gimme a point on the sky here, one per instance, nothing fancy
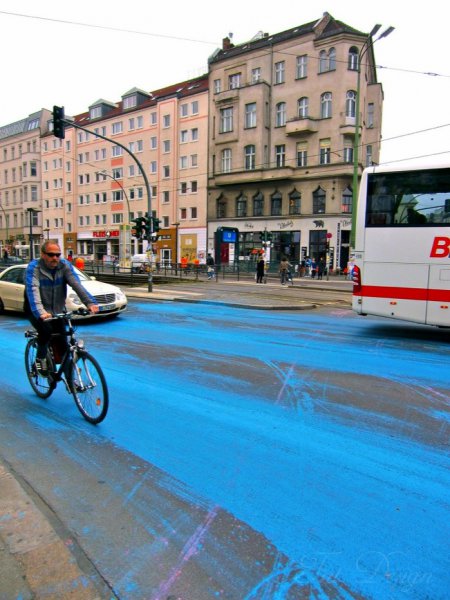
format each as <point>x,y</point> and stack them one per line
<point>54,59</point>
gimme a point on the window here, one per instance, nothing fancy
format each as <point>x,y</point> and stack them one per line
<point>279,71</point>
<point>194,134</point>
<point>256,75</point>
<point>302,154</point>
<point>194,160</point>
<point>166,196</point>
<point>258,205</point>
<point>217,86</point>
<point>249,157</point>
<point>194,107</point>
<point>226,120</point>
<point>280,118</point>
<point>194,187</point>
<point>183,136</point>
<point>234,81</point>
<point>153,118</point>
<point>221,208</point>
<point>332,59</point>
<point>140,146</point>
<point>369,162</point>
<point>183,187</point>
<point>348,154</point>
<point>319,200</point>
<point>140,122</point>
<point>117,173</point>
<point>183,214</point>
<point>327,60</point>
<point>166,121</point>
<point>275,204</point>
<point>350,104</point>
<point>325,152</point>
<point>303,108</point>
<point>370,114</point>
<point>193,212</point>
<point>117,218</point>
<point>183,162</point>
<point>117,151</point>
<point>353,59</point>
<point>131,170</point>
<point>129,102</point>
<point>295,203</point>
<point>184,110</point>
<point>166,171</point>
<point>325,105</point>
<point>117,128</point>
<point>166,146</point>
<point>241,206</point>
<point>153,142</point>
<point>347,199</point>
<point>250,115</point>
<point>226,160</point>
<point>153,166</point>
<point>280,155</point>
<point>302,66</point>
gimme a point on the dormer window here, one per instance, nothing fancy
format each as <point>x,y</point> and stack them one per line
<point>129,102</point>
<point>95,112</point>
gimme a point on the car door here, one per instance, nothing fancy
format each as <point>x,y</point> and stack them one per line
<point>12,288</point>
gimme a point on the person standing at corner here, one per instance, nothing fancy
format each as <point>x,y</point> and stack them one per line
<point>46,284</point>
<point>260,270</point>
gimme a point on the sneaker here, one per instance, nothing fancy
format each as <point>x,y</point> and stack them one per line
<point>42,366</point>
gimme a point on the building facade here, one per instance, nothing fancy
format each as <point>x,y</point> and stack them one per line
<point>282,113</point>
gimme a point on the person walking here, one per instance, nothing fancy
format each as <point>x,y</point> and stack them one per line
<point>320,268</point>
<point>210,266</point>
<point>260,271</point>
<point>46,282</point>
<point>285,265</point>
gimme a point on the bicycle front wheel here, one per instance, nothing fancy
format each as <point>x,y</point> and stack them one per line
<point>42,386</point>
<point>88,386</point>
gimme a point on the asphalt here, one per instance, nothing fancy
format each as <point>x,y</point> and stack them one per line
<point>39,558</point>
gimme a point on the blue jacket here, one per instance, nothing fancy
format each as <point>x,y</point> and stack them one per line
<point>46,290</point>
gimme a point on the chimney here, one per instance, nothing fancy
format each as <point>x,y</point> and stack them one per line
<point>226,43</point>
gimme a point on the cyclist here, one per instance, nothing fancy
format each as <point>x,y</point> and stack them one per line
<point>46,284</point>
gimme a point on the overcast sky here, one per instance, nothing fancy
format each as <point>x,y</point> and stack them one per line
<point>44,62</point>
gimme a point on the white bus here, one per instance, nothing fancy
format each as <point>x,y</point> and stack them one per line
<point>402,247</point>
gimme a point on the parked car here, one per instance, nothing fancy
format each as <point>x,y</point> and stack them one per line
<point>110,298</point>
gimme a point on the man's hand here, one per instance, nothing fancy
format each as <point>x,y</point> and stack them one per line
<point>45,316</point>
<point>93,308</point>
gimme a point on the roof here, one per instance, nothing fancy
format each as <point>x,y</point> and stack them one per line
<point>326,26</point>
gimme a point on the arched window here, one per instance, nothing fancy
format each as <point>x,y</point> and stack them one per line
<point>281,114</point>
<point>275,204</point>
<point>332,59</point>
<point>323,61</point>
<point>295,200</point>
<point>325,105</point>
<point>221,207</point>
<point>258,205</point>
<point>249,157</point>
<point>303,108</point>
<point>347,198</point>
<point>353,59</point>
<point>319,201</point>
<point>350,104</point>
<point>241,205</point>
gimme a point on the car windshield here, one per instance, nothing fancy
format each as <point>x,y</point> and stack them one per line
<point>80,274</point>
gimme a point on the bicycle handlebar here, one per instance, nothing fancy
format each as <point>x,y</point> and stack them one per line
<point>68,314</point>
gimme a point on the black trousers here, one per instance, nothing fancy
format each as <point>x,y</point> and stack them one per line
<point>45,331</point>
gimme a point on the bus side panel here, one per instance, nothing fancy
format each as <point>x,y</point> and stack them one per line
<point>438,306</point>
<point>394,290</point>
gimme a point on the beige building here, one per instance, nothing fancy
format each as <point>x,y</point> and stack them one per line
<point>93,188</point>
<point>20,184</point>
<point>282,120</point>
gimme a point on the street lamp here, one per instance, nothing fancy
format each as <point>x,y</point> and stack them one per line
<point>368,44</point>
<point>31,212</point>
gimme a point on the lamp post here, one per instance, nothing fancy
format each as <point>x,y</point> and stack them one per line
<point>31,212</point>
<point>364,49</point>
<point>6,224</point>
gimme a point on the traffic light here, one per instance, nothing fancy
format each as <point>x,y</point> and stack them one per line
<point>138,227</point>
<point>156,224</point>
<point>268,236</point>
<point>58,122</point>
<point>148,229</point>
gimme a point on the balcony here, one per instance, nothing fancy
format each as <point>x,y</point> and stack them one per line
<point>301,126</point>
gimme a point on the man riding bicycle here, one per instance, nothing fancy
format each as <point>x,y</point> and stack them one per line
<point>46,284</point>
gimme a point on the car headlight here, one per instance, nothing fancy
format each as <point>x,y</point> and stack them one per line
<point>75,299</point>
<point>120,297</point>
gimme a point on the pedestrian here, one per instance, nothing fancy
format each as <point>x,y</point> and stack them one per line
<point>210,266</point>
<point>46,282</point>
<point>5,255</point>
<point>320,268</point>
<point>260,271</point>
<point>285,265</point>
<point>313,268</point>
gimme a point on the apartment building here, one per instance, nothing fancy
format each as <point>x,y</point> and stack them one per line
<point>20,184</point>
<point>93,188</point>
<point>282,114</point>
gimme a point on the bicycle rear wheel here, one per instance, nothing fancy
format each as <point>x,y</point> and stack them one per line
<point>42,386</point>
<point>88,386</point>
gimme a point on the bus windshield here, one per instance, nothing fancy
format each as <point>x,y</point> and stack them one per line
<point>408,198</point>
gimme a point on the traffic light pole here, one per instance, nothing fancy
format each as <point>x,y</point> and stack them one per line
<point>147,187</point>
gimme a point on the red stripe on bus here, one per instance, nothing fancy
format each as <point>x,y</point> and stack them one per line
<point>400,293</point>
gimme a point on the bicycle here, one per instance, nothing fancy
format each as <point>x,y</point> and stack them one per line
<point>78,369</point>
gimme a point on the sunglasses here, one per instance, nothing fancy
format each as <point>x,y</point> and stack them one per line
<point>53,254</point>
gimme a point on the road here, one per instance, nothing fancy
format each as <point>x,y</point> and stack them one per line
<point>247,454</point>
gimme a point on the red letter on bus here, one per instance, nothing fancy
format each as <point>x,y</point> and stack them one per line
<point>441,247</point>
